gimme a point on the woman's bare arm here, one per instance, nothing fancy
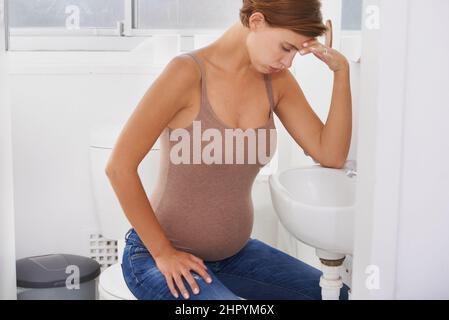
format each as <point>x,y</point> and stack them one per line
<point>168,95</point>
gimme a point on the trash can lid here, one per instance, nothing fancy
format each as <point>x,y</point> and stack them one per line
<point>52,270</point>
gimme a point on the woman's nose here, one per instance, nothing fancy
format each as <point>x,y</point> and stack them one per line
<point>286,63</point>
<point>288,60</point>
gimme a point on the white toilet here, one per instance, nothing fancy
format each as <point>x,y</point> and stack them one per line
<point>112,220</point>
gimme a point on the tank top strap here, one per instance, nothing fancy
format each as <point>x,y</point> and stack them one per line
<point>269,88</point>
<point>267,80</point>
<point>203,75</point>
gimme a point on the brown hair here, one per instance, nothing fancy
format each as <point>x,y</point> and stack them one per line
<point>301,16</point>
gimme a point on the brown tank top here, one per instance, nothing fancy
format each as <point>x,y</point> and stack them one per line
<point>205,207</point>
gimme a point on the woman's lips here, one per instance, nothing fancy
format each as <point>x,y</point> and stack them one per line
<point>274,69</point>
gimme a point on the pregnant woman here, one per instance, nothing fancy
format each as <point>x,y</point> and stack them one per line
<point>213,110</point>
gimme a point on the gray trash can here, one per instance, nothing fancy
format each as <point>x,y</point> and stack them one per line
<point>57,277</point>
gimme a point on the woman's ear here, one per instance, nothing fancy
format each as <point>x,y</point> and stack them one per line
<point>257,21</point>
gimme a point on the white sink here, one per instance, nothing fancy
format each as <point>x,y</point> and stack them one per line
<point>316,205</point>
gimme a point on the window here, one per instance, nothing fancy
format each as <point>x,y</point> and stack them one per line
<point>66,14</point>
<point>352,15</point>
<point>351,25</point>
<point>112,24</point>
<point>186,14</point>
<point>121,24</point>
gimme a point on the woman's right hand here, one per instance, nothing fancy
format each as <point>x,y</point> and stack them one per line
<point>174,264</point>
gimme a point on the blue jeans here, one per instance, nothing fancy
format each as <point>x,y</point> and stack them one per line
<point>256,272</point>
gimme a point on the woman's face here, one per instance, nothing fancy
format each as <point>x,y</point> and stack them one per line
<point>272,48</point>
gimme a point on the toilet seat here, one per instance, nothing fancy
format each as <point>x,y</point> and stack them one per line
<point>112,285</point>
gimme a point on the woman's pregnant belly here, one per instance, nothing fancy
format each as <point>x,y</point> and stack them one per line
<point>209,230</point>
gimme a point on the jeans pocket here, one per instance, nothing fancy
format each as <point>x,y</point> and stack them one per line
<point>137,252</point>
<point>140,260</point>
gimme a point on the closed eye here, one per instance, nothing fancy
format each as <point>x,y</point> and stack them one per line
<point>285,49</point>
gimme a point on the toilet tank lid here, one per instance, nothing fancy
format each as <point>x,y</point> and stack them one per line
<point>105,137</point>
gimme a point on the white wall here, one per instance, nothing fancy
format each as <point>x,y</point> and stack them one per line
<point>402,221</point>
<point>56,99</point>
<point>7,246</point>
<point>423,237</point>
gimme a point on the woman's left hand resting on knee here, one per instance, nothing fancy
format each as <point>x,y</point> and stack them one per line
<point>174,264</point>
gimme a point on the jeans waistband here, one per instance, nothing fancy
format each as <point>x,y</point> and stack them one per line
<point>132,236</point>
